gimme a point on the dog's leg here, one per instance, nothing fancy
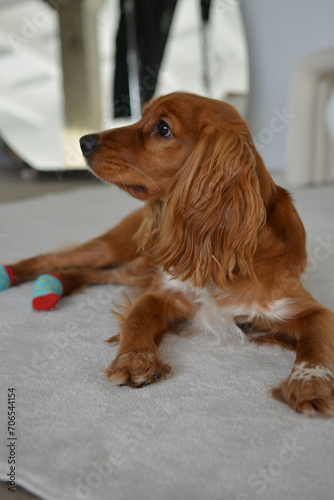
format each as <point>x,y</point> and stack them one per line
<point>138,273</point>
<point>115,246</point>
<point>138,361</point>
<point>310,386</point>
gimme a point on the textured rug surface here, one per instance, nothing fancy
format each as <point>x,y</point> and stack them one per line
<point>210,431</point>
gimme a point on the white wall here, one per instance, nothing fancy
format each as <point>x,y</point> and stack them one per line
<point>280,33</point>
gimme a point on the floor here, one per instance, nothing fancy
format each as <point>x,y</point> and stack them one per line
<point>18,183</point>
<point>12,182</point>
<point>19,494</point>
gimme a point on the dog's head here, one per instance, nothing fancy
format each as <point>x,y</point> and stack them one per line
<point>194,161</point>
<point>143,159</point>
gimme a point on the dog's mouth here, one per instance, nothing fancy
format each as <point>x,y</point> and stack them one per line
<point>113,176</point>
<point>138,189</point>
<point>134,190</point>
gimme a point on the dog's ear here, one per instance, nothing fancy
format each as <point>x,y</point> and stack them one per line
<point>208,225</point>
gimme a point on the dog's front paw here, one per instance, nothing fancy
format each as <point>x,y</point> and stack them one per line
<point>309,389</point>
<point>137,369</point>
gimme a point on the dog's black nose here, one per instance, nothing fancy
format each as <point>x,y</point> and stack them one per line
<point>88,143</point>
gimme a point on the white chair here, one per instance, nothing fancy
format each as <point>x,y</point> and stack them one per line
<point>310,148</point>
<point>279,36</point>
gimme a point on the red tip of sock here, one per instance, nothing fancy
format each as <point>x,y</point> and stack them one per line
<point>45,302</point>
<point>10,274</point>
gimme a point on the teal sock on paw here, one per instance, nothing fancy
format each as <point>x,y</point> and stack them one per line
<point>6,277</point>
<point>47,291</point>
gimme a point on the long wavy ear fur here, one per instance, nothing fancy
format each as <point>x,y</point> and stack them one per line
<point>207,227</point>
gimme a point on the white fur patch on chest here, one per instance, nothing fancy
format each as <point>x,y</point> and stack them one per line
<point>210,319</point>
<point>177,285</point>
<point>277,311</point>
<point>216,319</point>
<point>216,322</point>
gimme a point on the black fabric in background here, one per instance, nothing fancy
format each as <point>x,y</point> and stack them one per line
<point>153,19</point>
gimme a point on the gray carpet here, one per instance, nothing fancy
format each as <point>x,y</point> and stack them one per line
<point>210,431</point>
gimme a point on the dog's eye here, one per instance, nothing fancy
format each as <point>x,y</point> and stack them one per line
<point>163,129</point>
